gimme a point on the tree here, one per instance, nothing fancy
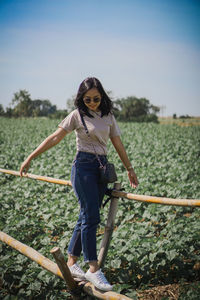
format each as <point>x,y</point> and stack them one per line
<point>2,112</point>
<point>36,107</point>
<point>23,106</point>
<point>42,108</point>
<point>9,112</point>
<point>155,109</point>
<point>135,109</point>
<point>70,103</point>
<point>22,101</point>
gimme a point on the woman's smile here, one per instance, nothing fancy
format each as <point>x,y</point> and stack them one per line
<point>92,99</point>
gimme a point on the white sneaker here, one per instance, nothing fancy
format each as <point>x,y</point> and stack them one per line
<point>76,271</point>
<point>99,280</point>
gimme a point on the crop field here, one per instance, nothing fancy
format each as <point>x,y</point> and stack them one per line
<point>152,245</point>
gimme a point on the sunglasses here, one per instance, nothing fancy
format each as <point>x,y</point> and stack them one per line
<point>95,100</point>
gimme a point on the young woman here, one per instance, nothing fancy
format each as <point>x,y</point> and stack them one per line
<point>96,107</point>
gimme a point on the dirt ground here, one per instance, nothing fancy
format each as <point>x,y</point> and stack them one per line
<point>166,292</point>
<point>170,291</point>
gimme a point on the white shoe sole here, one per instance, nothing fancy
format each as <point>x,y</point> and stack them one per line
<point>78,276</point>
<point>104,289</point>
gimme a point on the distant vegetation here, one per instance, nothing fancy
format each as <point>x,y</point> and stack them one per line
<point>23,106</point>
<point>135,110</point>
<point>130,109</point>
<point>181,121</point>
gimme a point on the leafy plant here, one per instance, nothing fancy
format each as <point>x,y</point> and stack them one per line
<point>152,244</point>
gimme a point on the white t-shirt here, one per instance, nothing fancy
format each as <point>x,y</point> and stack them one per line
<point>100,130</point>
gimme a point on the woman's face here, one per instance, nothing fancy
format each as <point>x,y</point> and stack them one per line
<point>92,99</point>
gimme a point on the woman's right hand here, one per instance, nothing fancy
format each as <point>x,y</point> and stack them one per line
<point>25,166</point>
<point>49,142</point>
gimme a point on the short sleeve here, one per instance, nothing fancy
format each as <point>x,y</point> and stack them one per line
<point>70,122</point>
<point>114,129</point>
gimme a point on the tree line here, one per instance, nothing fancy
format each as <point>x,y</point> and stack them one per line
<point>130,109</point>
<point>133,109</point>
<point>23,106</point>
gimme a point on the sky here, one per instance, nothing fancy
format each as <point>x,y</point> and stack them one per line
<point>142,48</point>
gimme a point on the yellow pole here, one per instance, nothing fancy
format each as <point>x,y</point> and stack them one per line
<point>31,253</point>
<point>157,200</point>
<point>130,196</point>
<point>53,268</point>
<point>38,177</point>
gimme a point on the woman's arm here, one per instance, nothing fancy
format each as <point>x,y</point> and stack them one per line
<point>117,143</point>
<point>48,143</point>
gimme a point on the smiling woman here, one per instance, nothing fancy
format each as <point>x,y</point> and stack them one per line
<point>42,215</point>
<point>89,89</point>
<point>95,108</point>
<point>92,99</point>
<point>151,55</point>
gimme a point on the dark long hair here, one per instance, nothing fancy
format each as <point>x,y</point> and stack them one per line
<point>89,83</point>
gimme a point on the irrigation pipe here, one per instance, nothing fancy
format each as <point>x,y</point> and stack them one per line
<point>130,196</point>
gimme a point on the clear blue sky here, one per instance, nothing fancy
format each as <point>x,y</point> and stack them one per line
<point>145,48</point>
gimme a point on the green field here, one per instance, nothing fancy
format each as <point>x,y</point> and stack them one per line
<point>152,244</point>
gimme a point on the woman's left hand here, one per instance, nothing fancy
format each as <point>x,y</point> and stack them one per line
<point>132,178</point>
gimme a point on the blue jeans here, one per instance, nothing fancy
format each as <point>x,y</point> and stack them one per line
<point>90,193</point>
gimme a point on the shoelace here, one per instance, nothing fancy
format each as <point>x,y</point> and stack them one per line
<point>101,278</point>
<point>77,268</point>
